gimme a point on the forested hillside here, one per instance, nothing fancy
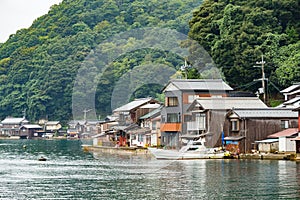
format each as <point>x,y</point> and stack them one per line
<point>38,65</point>
<point>238,33</point>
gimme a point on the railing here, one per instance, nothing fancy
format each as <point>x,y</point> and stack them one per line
<point>193,126</point>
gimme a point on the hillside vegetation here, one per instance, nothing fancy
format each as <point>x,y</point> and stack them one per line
<point>38,65</point>
<point>238,33</point>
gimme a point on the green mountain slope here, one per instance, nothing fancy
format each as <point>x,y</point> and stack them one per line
<point>238,33</point>
<point>38,65</point>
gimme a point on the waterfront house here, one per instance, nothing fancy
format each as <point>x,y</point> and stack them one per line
<point>207,116</point>
<point>136,136</point>
<point>10,126</point>
<point>76,128</point>
<point>152,121</point>
<point>286,144</point>
<point>29,131</point>
<point>267,145</point>
<point>132,111</point>
<point>93,127</point>
<point>52,126</point>
<point>245,126</point>
<point>179,95</point>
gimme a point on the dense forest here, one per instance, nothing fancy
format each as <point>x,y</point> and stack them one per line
<point>238,33</point>
<point>39,65</point>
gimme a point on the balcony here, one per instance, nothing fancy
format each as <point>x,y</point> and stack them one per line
<point>171,127</point>
<point>195,126</point>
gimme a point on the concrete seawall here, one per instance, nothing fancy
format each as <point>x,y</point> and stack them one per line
<point>118,150</point>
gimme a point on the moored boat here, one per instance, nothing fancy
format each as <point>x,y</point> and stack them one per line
<point>193,150</point>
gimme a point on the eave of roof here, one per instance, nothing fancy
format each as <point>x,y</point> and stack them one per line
<point>284,133</point>
<point>200,84</point>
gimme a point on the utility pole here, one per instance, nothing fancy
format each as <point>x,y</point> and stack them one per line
<point>185,67</point>
<point>262,63</point>
<point>85,111</point>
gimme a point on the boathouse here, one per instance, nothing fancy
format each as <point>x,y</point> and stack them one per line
<point>245,126</point>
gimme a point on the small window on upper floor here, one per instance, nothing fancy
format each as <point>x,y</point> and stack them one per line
<point>172,101</point>
<point>235,125</point>
<point>284,124</point>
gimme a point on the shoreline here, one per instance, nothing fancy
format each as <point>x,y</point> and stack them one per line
<point>145,151</point>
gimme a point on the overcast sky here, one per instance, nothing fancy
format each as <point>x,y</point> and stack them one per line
<point>17,14</point>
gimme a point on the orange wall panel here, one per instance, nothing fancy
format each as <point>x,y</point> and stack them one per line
<point>165,127</point>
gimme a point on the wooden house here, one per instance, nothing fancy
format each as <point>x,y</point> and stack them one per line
<point>29,131</point>
<point>132,111</point>
<point>208,115</point>
<point>10,126</point>
<point>152,121</point>
<point>179,95</point>
<point>245,126</point>
<point>52,126</point>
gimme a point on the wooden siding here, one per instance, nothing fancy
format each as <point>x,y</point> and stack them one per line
<point>255,130</point>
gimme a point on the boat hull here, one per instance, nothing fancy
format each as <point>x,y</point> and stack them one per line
<point>162,154</point>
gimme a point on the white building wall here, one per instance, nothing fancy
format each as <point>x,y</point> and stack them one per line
<point>286,144</point>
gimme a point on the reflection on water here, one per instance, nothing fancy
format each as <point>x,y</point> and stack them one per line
<point>69,173</point>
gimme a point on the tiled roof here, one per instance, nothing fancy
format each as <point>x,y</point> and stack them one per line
<point>266,113</point>
<point>293,100</point>
<point>227,103</point>
<point>153,113</point>
<point>201,84</point>
<point>286,132</point>
<point>52,122</point>
<point>133,104</point>
<point>32,126</point>
<point>291,88</point>
<point>13,120</point>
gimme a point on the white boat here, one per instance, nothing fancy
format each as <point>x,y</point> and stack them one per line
<point>193,150</point>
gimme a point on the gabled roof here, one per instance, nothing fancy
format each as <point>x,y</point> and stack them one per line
<point>267,141</point>
<point>52,122</point>
<point>133,104</point>
<point>31,126</point>
<point>286,132</point>
<point>226,103</point>
<point>13,120</point>
<point>264,113</point>
<point>293,87</point>
<point>198,84</point>
<point>153,113</point>
<point>292,101</point>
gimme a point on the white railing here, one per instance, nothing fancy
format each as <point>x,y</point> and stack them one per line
<point>193,126</point>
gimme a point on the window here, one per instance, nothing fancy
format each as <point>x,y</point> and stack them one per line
<point>284,124</point>
<point>187,118</point>
<point>140,138</point>
<point>201,120</point>
<point>154,125</point>
<point>235,125</point>
<point>173,118</point>
<point>163,119</point>
<point>172,101</point>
